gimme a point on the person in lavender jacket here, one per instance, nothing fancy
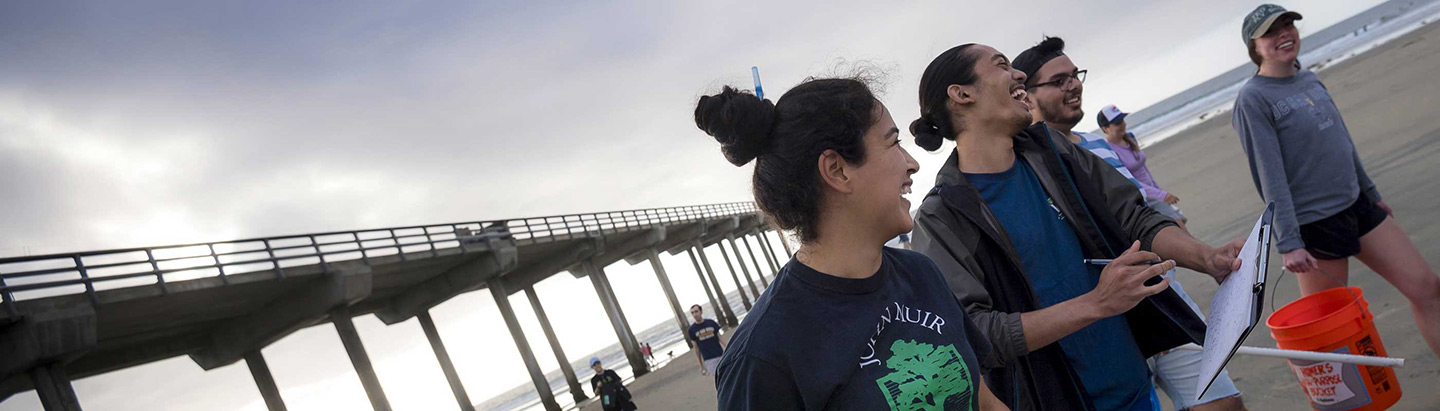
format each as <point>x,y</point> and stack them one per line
<point>1112,122</point>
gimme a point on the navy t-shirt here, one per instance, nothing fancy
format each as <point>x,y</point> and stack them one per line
<point>1104,354</point>
<point>896,340</point>
<point>706,336</point>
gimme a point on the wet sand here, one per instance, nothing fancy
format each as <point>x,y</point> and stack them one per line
<point>1391,102</point>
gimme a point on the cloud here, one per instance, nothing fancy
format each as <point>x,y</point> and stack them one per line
<point>274,118</point>
<point>153,122</point>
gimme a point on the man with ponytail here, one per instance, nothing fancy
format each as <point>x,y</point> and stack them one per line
<point>1015,211</point>
<point>848,324</point>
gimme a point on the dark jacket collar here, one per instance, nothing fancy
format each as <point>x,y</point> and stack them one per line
<point>1025,143</point>
<point>1037,145</point>
<point>959,194</point>
<point>1160,323</point>
<point>950,182</point>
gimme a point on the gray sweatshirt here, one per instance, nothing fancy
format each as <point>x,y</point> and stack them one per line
<point>1301,155</point>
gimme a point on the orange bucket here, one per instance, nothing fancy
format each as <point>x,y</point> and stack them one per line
<point>1337,320</point>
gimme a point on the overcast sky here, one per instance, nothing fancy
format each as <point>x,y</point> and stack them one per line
<point>146,123</point>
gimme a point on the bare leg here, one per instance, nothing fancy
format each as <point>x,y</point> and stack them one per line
<point>1321,279</point>
<point>1389,252</point>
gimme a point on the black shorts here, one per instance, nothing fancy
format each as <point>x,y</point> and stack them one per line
<point>1338,236</point>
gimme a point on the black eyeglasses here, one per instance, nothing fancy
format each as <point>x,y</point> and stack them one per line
<point>1062,82</point>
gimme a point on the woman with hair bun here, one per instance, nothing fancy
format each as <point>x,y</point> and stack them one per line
<point>848,323</point>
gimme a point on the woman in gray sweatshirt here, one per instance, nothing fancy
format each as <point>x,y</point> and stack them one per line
<point>1303,159</point>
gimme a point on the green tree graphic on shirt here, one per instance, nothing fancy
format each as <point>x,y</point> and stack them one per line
<point>926,377</point>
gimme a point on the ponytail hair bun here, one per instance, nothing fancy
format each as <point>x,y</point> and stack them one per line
<point>935,125</point>
<point>927,134</point>
<point>740,121</point>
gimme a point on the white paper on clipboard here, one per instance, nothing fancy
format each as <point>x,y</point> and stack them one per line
<point>1236,307</point>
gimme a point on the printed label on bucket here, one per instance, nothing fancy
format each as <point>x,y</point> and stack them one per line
<point>1331,385</point>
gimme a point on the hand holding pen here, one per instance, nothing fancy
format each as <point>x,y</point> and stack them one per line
<point>1123,282</point>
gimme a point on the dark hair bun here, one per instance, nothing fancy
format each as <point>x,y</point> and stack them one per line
<point>927,135</point>
<point>740,121</point>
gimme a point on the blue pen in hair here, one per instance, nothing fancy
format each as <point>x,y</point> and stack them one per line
<point>755,72</point>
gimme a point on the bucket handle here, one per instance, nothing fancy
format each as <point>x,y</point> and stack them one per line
<point>1364,314</point>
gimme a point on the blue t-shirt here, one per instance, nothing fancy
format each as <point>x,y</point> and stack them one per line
<point>897,340</point>
<point>706,336</point>
<point>1104,354</point>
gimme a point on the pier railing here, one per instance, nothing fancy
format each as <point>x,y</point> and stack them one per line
<point>30,277</point>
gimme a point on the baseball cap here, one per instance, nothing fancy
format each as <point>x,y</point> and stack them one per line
<point>1258,21</point>
<point>1110,114</point>
<point>594,360</point>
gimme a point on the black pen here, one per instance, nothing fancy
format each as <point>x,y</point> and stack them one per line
<point>1106,261</point>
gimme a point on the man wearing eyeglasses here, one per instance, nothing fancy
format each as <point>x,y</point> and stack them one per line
<point>1055,88</point>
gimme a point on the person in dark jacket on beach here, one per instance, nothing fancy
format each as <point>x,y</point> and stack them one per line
<point>848,324</point>
<point>609,388</point>
<point>1015,211</point>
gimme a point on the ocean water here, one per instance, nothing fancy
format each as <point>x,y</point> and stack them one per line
<point>1342,41</point>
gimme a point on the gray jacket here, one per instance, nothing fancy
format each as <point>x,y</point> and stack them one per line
<point>1300,152</point>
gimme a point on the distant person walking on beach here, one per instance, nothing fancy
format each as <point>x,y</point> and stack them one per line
<point>1055,89</point>
<point>848,324</point>
<point>1303,159</point>
<point>609,388</point>
<point>1124,145</point>
<point>1015,211</point>
<point>647,353</point>
<point>705,333</point>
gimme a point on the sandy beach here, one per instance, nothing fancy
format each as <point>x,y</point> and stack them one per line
<point>677,385</point>
<point>1390,102</point>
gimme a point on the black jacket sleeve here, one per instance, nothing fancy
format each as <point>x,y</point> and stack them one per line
<point>1003,332</point>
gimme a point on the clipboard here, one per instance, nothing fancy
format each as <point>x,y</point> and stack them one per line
<point>1238,303</point>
